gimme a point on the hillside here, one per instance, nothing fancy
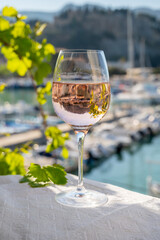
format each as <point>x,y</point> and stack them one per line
<point>98,28</point>
<point>40,16</point>
<point>49,16</point>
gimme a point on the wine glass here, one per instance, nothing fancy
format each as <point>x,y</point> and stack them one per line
<point>81,97</point>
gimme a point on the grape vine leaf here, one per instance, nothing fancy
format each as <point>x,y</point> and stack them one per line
<point>4,24</point>
<point>2,87</point>
<point>38,173</point>
<point>38,176</point>
<point>42,72</point>
<point>65,153</point>
<point>9,12</point>
<point>56,174</point>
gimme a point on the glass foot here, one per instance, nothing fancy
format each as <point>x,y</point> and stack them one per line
<point>85,199</point>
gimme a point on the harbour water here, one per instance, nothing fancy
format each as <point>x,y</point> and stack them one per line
<point>13,96</point>
<point>133,168</point>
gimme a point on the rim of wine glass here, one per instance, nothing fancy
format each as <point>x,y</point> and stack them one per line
<point>80,51</point>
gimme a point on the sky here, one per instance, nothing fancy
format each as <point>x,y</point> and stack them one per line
<point>55,5</point>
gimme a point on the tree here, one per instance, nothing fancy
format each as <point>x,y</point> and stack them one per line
<point>25,55</point>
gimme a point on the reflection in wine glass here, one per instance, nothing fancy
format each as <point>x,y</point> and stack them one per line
<point>81,97</point>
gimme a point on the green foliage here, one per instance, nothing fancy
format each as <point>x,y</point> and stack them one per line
<point>25,55</point>
<point>42,91</point>
<point>38,176</point>
<point>2,87</point>
<point>4,72</point>
<point>21,50</point>
<point>4,24</point>
<point>9,12</point>
<point>39,28</point>
<point>56,174</point>
<point>38,173</point>
<point>11,162</point>
<point>65,153</point>
<point>43,70</point>
<point>24,148</point>
<point>56,139</point>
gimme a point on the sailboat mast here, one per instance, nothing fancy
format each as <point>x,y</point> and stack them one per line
<point>130,39</point>
<point>142,53</point>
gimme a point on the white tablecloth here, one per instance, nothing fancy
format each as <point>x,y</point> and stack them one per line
<point>33,214</point>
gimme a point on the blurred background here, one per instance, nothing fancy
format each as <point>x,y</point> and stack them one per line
<point>126,143</point>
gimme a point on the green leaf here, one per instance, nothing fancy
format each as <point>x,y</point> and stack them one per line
<point>27,62</point>
<point>40,29</point>
<point>13,64</point>
<point>22,68</point>
<point>23,46</point>
<point>65,153</point>
<point>52,132</point>
<point>41,177</point>
<point>49,148</point>
<point>38,173</point>
<point>49,49</point>
<point>4,168</point>
<point>24,179</point>
<point>56,175</point>
<point>23,150</point>
<point>9,12</point>
<point>8,52</point>
<point>55,143</point>
<point>21,17</point>
<point>11,162</point>
<point>56,139</point>
<point>2,87</point>
<point>41,99</point>
<point>6,36</point>
<point>21,29</point>
<point>48,88</point>
<point>42,91</point>
<point>4,24</point>
<point>5,150</point>
<point>32,183</point>
<point>58,166</point>
<point>66,136</point>
<point>43,70</point>
<point>37,184</point>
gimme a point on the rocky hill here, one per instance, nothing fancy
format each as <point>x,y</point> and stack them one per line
<point>94,27</point>
<point>97,28</point>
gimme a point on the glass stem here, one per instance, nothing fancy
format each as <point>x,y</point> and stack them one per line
<point>80,141</point>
